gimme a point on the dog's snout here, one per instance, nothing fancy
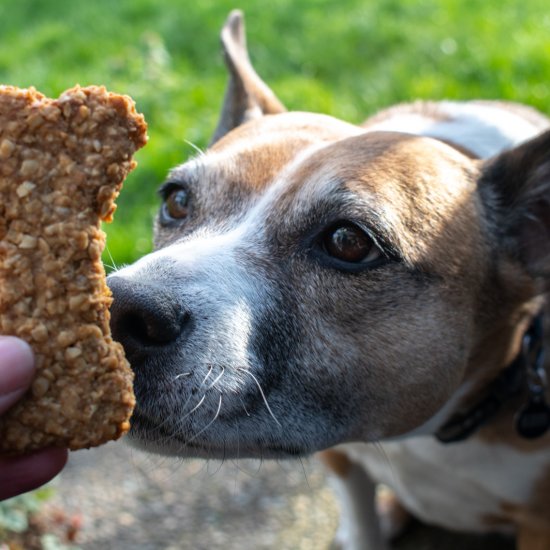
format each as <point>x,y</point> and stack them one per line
<point>143,316</point>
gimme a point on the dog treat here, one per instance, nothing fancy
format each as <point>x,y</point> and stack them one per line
<point>62,164</point>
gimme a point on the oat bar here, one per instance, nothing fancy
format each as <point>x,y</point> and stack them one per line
<point>62,163</point>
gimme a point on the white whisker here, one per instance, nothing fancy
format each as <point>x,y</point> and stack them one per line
<point>113,264</point>
<point>244,407</point>
<point>195,147</point>
<point>210,423</point>
<point>262,394</point>
<point>193,409</point>
<point>207,376</point>
<point>216,380</point>
<point>184,406</point>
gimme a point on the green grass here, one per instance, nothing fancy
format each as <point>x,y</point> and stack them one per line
<point>342,57</point>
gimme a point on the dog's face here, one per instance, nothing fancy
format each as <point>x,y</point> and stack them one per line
<point>331,274</point>
<point>312,284</point>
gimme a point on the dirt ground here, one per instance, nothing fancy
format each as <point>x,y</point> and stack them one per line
<point>128,500</point>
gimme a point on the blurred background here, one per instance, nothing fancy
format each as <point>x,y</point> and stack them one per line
<point>347,58</point>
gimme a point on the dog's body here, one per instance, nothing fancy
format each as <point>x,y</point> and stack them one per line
<point>323,285</point>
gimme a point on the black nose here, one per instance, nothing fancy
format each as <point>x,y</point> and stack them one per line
<point>143,316</point>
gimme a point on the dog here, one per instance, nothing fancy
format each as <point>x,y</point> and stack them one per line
<point>318,286</point>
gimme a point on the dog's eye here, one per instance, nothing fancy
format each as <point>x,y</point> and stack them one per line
<point>348,243</point>
<point>176,205</point>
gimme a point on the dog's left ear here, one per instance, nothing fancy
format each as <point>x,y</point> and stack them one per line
<point>247,96</point>
<point>516,185</point>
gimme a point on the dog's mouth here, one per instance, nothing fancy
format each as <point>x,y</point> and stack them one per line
<point>156,436</point>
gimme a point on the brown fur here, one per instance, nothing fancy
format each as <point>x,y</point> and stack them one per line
<point>532,517</point>
<point>532,540</point>
<point>398,179</point>
<point>337,462</point>
<point>357,353</point>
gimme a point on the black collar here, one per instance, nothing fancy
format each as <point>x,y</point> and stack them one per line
<point>525,372</point>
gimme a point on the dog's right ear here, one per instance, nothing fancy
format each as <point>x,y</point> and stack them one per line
<point>247,96</point>
<point>517,184</point>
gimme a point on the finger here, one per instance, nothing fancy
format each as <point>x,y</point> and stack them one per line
<point>16,370</point>
<point>21,474</point>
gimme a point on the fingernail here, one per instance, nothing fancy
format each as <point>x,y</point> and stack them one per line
<point>16,365</point>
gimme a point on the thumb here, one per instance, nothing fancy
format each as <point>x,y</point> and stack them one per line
<point>16,370</point>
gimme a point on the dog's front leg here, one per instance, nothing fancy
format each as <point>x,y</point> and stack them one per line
<point>530,539</point>
<point>359,527</point>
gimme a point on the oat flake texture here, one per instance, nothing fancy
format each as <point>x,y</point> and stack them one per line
<point>62,163</point>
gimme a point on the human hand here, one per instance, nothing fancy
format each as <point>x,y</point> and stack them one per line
<point>22,473</point>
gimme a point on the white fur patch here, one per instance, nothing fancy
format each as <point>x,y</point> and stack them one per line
<point>454,486</point>
<point>221,294</point>
<point>484,129</point>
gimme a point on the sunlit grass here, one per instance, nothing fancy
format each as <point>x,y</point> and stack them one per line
<point>343,57</point>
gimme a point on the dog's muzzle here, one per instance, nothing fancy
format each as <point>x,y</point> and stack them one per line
<point>145,318</point>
